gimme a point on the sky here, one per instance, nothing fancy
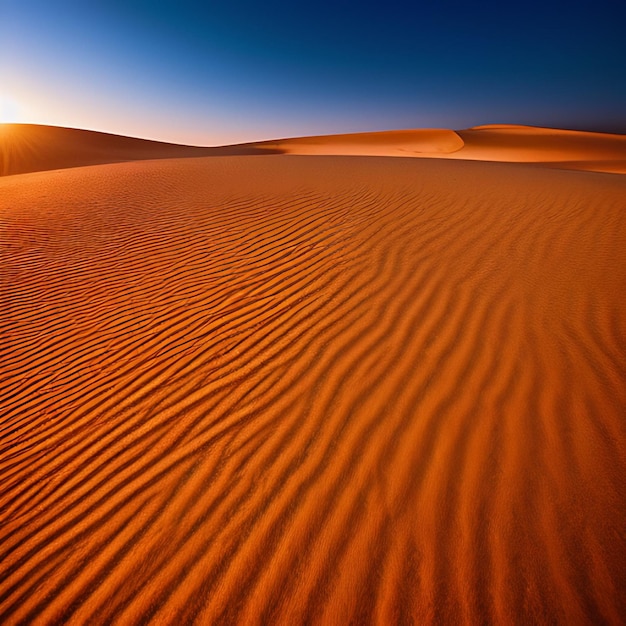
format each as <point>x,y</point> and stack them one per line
<point>212,73</point>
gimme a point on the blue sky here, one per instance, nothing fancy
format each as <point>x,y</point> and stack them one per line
<point>220,72</point>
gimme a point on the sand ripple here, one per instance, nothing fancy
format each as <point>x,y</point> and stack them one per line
<point>312,390</point>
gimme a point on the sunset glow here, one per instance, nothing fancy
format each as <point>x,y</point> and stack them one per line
<point>214,73</point>
<point>9,110</point>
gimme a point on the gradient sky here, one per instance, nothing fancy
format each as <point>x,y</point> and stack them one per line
<point>236,70</point>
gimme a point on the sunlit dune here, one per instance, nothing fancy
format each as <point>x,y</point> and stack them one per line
<point>546,147</point>
<point>566,149</point>
<point>29,148</point>
<point>312,390</point>
<point>388,143</point>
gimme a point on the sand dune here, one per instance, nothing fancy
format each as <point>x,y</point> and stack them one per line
<point>560,149</point>
<point>565,149</point>
<point>30,148</point>
<point>283,390</point>
<point>33,148</point>
<point>387,143</point>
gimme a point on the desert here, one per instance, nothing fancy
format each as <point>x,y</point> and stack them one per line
<point>371,378</point>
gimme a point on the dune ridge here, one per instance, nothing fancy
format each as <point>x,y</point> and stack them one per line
<point>385,143</point>
<point>324,390</point>
<point>546,147</point>
<point>563,149</point>
<point>29,148</point>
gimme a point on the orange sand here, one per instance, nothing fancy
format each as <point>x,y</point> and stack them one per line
<point>404,143</point>
<point>284,390</point>
<point>562,149</point>
<point>32,148</point>
<point>28,148</point>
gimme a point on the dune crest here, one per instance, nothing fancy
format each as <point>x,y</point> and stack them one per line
<point>521,128</point>
<point>563,149</point>
<point>386,143</point>
<point>28,148</point>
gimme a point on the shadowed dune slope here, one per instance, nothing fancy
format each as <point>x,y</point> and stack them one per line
<point>32,148</point>
<point>328,390</point>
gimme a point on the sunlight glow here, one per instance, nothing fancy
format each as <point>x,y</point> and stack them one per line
<point>9,110</point>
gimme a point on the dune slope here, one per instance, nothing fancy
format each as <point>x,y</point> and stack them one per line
<point>564,149</point>
<point>547,147</point>
<point>386,143</point>
<point>325,390</point>
<point>32,148</point>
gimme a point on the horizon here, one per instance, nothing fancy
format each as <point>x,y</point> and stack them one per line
<point>207,76</point>
<point>321,135</point>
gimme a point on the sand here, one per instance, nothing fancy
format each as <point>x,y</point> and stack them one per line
<point>323,389</point>
<point>30,148</point>
<point>546,147</point>
<point>403,143</point>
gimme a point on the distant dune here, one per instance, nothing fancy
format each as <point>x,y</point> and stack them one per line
<point>566,149</point>
<point>32,148</point>
<point>543,146</point>
<point>29,148</point>
<point>324,390</point>
<point>387,143</point>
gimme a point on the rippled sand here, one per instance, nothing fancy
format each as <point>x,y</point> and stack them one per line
<point>283,390</point>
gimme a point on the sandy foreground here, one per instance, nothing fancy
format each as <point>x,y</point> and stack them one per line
<point>326,389</point>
